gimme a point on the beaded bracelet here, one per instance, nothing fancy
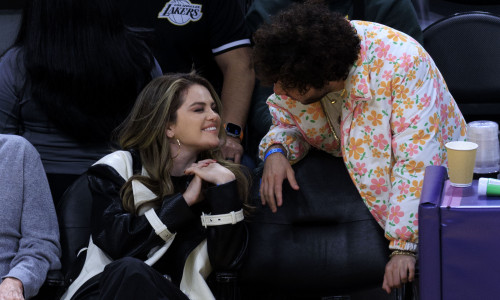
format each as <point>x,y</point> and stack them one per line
<point>274,151</point>
<point>402,252</point>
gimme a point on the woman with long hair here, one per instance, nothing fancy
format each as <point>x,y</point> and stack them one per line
<point>167,209</point>
<point>70,78</point>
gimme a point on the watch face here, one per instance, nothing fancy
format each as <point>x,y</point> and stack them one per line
<point>233,129</point>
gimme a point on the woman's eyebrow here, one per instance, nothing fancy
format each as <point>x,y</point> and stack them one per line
<point>202,103</point>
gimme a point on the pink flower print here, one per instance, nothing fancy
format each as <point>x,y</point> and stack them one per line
<point>412,149</point>
<point>403,233</point>
<point>436,160</point>
<point>444,112</point>
<point>363,87</point>
<point>406,58</point>
<point>368,129</point>
<point>391,58</point>
<point>378,185</point>
<point>415,119</point>
<point>382,50</point>
<point>435,84</point>
<point>415,222</point>
<point>380,142</point>
<point>425,100</point>
<point>362,51</point>
<point>316,140</point>
<point>360,169</point>
<point>439,99</point>
<point>357,112</point>
<point>379,212</point>
<point>404,188</point>
<point>406,64</point>
<point>387,75</point>
<point>400,125</point>
<point>395,214</point>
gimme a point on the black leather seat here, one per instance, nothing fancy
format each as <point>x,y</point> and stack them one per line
<point>466,49</point>
<point>73,214</point>
<point>74,211</point>
<point>322,242</point>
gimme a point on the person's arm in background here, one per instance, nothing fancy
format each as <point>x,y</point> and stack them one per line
<point>239,78</point>
<point>38,249</point>
<point>11,86</point>
<point>231,48</point>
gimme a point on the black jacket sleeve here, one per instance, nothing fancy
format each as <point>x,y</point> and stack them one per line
<point>120,233</point>
<point>226,243</point>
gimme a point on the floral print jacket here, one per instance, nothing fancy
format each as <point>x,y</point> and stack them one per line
<point>397,114</point>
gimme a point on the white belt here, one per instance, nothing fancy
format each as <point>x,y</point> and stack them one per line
<point>157,224</point>
<point>215,220</point>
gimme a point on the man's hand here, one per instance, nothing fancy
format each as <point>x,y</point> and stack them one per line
<point>276,169</point>
<point>232,149</point>
<point>11,289</point>
<point>400,269</point>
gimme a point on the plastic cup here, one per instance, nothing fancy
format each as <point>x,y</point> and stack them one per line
<point>461,161</point>
<point>485,134</point>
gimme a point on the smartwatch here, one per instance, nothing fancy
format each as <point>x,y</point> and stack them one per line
<point>234,130</point>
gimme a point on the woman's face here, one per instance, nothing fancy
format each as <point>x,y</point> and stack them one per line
<point>198,123</point>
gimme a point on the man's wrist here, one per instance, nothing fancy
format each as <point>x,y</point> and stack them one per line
<point>234,130</point>
<point>275,149</point>
<point>233,138</point>
<point>15,281</point>
<point>402,252</point>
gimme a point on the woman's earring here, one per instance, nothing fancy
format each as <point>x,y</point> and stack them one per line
<point>179,149</point>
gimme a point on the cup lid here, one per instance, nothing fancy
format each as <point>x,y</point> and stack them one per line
<point>461,145</point>
<point>481,186</point>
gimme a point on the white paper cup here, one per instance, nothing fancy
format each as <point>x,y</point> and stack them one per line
<point>461,160</point>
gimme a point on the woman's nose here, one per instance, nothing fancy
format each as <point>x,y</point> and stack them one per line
<point>212,115</point>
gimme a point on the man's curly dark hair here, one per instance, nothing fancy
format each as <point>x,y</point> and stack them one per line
<point>305,45</point>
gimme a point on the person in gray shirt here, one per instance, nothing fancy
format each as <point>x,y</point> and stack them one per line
<point>29,233</point>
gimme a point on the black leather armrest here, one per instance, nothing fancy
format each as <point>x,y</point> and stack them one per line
<point>54,278</point>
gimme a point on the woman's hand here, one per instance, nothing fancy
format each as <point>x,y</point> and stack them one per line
<point>400,269</point>
<point>210,171</point>
<point>206,170</point>
<point>192,194</point>
<point>11,289</point>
